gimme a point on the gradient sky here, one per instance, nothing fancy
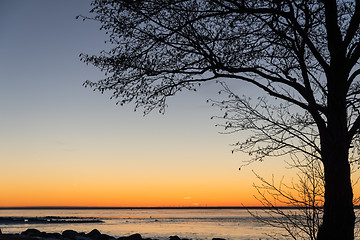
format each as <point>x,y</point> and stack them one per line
<point>65,145</point>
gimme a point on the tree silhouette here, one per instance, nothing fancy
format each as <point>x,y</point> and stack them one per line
<point>303,53</point>
<point>304,195</point>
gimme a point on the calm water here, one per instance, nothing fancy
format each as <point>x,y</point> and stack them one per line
<point>152,223</point>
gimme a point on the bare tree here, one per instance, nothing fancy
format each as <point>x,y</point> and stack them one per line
<point>303,53</point>
<point>278,130</point>
<point>296,206</point>
<point>304,198</point>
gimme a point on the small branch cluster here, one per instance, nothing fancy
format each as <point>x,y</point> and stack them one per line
<point>273,130</point>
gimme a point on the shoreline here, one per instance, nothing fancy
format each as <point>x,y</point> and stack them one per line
<point>35,234</point>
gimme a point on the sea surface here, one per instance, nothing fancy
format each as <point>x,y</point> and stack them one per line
<point>235,224</point>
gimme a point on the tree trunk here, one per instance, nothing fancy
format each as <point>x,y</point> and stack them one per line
<point>339,217</point>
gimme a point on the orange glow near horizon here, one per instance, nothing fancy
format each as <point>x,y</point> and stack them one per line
<point>116,196</point>
<point>70,184</point>
<point>37,184</point>
<point>79,179</point>
<point>37,187</point>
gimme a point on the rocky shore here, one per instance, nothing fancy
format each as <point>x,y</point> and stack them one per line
<point>34,234</point>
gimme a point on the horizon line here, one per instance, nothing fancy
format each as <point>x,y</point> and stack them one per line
<point>114,208</point>
<point>131,207</point>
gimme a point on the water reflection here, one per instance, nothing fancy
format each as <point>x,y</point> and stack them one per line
<point>154,223</point>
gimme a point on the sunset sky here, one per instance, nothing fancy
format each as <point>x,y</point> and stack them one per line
<point>65,145</point>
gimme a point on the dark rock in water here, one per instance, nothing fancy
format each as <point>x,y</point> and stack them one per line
<point>174,238</point>
<point>105,237</point>
<point>218,239</point>
<point>70,234</point>
<point>37,234</point>
<point>53,235</point>
<point>31,232</point>
<point>94,233</point>
<point>135,236</point>
<point>0,231</point>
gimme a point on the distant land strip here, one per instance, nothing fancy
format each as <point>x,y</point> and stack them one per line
<point>129,208</point>
<point>104,208</point>
<point>48,219</point>
<point>100,208</point>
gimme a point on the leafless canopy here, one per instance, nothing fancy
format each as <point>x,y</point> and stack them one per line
<point>282,47</point>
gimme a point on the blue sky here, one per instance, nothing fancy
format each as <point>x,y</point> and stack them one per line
<point>53,128</point>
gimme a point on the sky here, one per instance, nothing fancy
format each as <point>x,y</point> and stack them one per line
<point>65,145</point>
